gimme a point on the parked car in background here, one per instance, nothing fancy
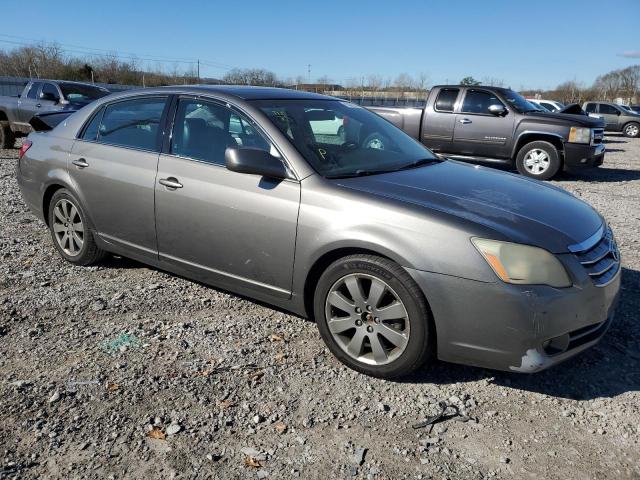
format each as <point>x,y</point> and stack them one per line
<point>497,126</point>
<point>40,97</point>
<point>616,118</point>
<point>550,105</point>
<point>400,256</point>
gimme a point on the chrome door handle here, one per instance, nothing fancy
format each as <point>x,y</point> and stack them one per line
<point>80,163</point>
<point>170,182</point>
<point>464,121</point>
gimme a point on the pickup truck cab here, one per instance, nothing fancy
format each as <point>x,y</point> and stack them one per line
<point>498,126</point>
<point>616,117</point>
<point>38,97</point>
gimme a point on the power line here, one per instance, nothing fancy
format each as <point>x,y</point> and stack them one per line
<point>111,53</point>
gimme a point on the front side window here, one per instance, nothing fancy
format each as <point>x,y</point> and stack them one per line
<point>204,130</point>
<point>133,123</point>
<point>608,109</point>
<point>479,101</point>
<point>340,139</point>
<point>33,91</point>
<point>446,99</point>
<point>50,92</point>
<point>591,108</point>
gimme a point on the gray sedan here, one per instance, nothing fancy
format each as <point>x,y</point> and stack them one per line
<point>398,255</point>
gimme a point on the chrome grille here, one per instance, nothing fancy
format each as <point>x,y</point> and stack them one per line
<point>598,136</point>
<point>601,260</point>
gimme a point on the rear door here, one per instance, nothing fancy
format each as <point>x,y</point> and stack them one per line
<point>227,228</point>
<point>113,166</point>
<point>611,116</point>
<point>439,120</point>
<point>30,103</point>
<point>478,132</point>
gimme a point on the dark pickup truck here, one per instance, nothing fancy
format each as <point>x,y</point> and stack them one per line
<point>498,126</point>
<point>42,97</point>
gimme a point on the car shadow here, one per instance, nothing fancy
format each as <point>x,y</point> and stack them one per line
<point>614,141</point>
<point>601,174</point>
<point>610,368</point>
<point>613,150</point>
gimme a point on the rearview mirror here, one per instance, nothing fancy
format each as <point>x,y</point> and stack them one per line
<point>497,110</point>
<point>254,161</point>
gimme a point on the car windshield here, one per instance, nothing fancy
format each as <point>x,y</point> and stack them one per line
<point>340,139</point>
<point>518,102</point>
<point>77,93</point>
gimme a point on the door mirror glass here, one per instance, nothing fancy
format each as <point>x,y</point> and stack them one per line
<point>254,161</point>
<point>497,110</point>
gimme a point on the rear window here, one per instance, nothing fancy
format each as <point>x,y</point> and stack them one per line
<point>446,99</point>
<point>132,123</point>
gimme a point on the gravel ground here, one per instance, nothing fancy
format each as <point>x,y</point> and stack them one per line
<point>125,371</point>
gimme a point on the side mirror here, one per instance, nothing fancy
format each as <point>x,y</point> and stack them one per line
<point>497,110</point>
<point>254,161</point>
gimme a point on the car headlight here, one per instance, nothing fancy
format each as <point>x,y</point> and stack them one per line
<point>580,135</point>
<point>522,264</point>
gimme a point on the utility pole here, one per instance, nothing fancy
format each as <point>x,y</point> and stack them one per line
<point>309,71</point>
<point>198,70</point>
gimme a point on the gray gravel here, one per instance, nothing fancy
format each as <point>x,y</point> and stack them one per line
<point>124,371</point>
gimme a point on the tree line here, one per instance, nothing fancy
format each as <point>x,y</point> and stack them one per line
<point>50,61</point>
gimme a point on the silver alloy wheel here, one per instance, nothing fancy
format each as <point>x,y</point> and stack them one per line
<point>632,130</point>
<point>367,319</point>
<point>537,161</point>
<point>67,227</point>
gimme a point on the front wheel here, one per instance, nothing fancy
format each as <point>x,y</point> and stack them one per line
<point>632,130</point>
<point>538,160</point>
<point>373,316</point>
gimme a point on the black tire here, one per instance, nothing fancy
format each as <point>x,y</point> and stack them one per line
<point>7,138</point>
<point>552,154</point>
<point>421,340</point>
<point>631,130</point>
<point>89,253</point>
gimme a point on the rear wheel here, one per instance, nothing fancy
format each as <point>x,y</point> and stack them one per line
<point>70,232</point>
<point>539,160</point>
<point>632,130</point>
<point>373,316</point>
<point>7,138</point>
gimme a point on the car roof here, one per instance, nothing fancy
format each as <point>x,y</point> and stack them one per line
<point>244,92</point>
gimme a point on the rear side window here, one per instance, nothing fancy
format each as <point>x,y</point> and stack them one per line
<point>608,109</point>
<point>591,108</point>
<point>479,101</point>
<point>446,99</point>
<point>132,123</point>
<point>91,130</point>
<point>33,91</point>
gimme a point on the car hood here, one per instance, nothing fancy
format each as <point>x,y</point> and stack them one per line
<point>566,118</point>
<point>520,209</point>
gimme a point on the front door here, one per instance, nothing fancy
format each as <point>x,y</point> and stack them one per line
<point>611,116</point>
<point>113,166</point>
<point>478,132</point>
<point>228,228</point>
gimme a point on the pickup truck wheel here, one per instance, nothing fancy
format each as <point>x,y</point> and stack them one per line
<point>70,232</point>
<point>7,138</point>
<point>538,160</point>
<point>632,129</point>
<point>373,316</point>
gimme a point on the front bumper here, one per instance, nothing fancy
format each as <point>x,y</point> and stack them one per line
<point>578,155</point>
<point>510,327</point>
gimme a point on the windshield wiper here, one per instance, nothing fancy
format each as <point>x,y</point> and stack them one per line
<point>361,173</point>
<point>420,163</point>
